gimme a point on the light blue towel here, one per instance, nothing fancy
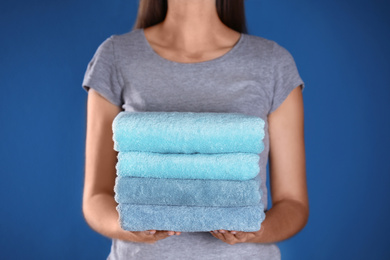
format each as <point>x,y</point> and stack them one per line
<point>228,166</point>
<point>190,218</point>
<point>181,192</point>
<point>188,132</point>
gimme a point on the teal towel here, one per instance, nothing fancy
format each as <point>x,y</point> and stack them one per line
<point>188,132</point>
<point>228,166</point>
<point>190,218</point>
<point>181,192</point>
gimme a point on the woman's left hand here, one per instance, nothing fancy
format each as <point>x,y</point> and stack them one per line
<point>233,237</point>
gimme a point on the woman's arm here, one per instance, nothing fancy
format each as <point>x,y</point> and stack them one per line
<point>290,205</point>
<point>290,209</point>
<point>99,206</point>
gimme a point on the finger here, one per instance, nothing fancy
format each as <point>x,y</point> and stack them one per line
<point>171,233</point>
<point>240,235</point>
<point>213,234</point>
<point>229,237</point>
<point>145,233</point>
<point>221,234</point>
<point>222,231</point>
<point>161,234</point>
<point>218,235</point>
<point>148,236</point>
<point>151,232</point>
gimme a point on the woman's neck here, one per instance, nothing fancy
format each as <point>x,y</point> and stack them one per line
<point>193,23</point>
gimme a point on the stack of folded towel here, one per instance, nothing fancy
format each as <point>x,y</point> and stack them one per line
<point>187,171</point>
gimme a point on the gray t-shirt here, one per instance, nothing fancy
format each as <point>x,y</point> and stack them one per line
<point>253,78</point>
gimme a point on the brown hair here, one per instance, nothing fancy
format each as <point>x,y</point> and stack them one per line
<point>231,13</point>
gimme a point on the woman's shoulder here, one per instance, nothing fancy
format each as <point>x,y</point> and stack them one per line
<point>130,38</point>
<point>259,43</point>
<point>256,39</point>
<point>124,40</point>
<point>262,45</point>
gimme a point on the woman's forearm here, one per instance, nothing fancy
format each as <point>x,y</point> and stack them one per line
<point>101,215</point>
<point>285,219</point>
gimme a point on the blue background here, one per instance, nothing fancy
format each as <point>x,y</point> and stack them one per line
<point>341,51</point>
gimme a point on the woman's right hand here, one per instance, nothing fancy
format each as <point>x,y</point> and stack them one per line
<point>148,236</point>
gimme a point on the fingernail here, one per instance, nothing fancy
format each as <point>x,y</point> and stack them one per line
<point>152,232</point>
<point>233,232</point>
<point>221,231</point>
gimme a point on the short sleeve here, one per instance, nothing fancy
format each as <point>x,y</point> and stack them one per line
<point>286,76</point>
<point>102,73</point>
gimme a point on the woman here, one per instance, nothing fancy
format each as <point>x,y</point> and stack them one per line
<point>194,55</point>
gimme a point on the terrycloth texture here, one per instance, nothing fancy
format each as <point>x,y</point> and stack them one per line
<point>190,218</point>
<point>229,166</point>
<point>188,132</point>
<point>181,192</point>
<point>188,171</point>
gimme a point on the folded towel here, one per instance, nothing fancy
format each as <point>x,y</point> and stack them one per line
<point>188,132</point>
<point>181,192</point>
<point>228,166</point>
<point>190,218</point>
